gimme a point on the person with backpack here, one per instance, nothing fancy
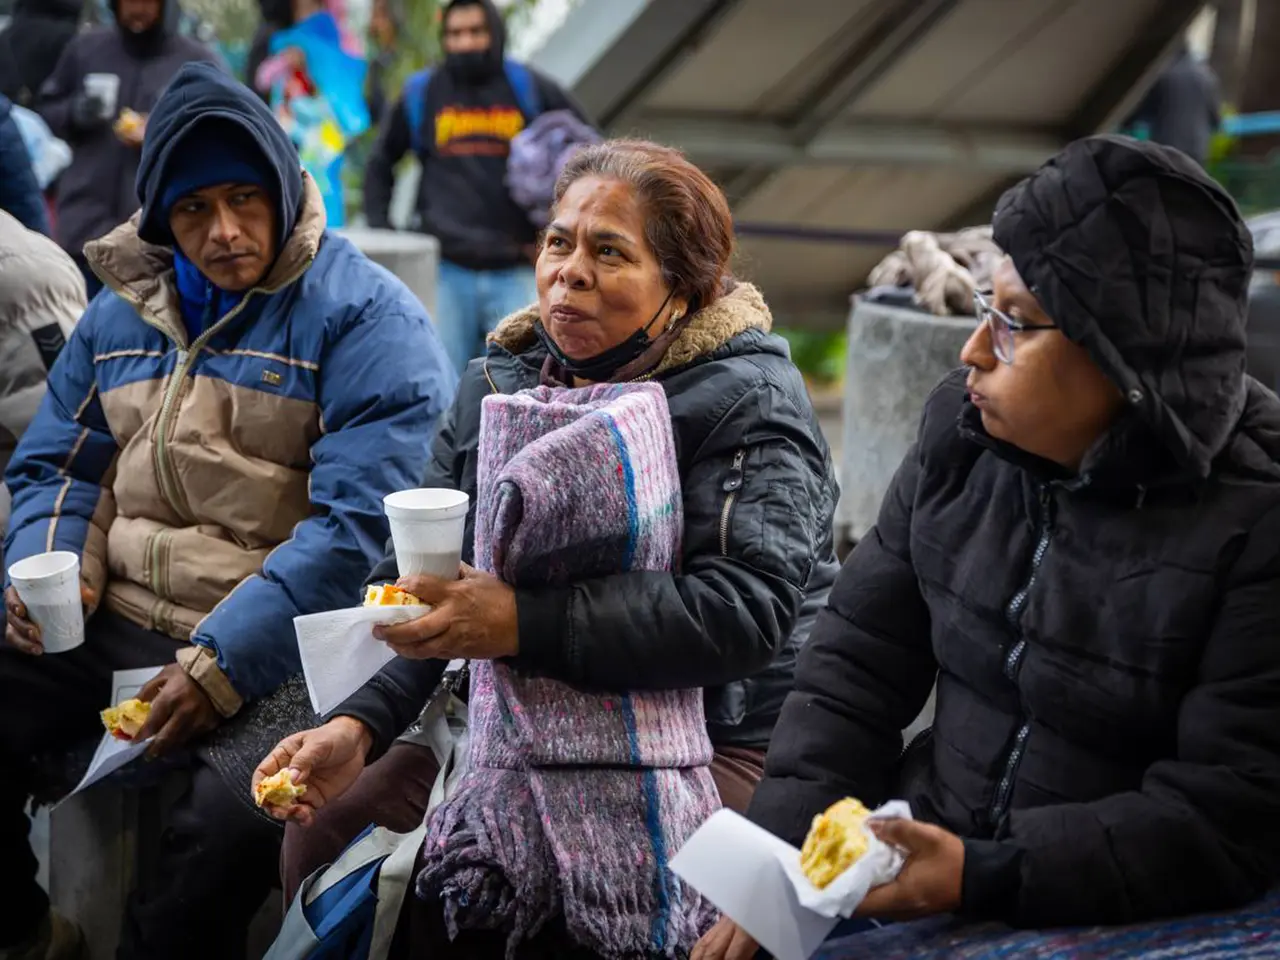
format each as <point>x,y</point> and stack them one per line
<point>459,120</point>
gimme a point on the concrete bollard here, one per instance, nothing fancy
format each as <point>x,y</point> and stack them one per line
<point>413,257</point>
<point>896,357</point>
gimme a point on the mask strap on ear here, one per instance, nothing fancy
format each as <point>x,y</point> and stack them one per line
<point>649,326</point>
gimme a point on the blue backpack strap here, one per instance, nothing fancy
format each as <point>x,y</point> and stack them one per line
<point>415,106</point>
<point>525,88</point>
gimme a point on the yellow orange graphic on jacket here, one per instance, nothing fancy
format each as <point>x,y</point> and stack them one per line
<point>485,130</point>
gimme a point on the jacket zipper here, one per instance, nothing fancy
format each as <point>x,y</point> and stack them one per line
<point>1013,660</point>
<point>169,486</point>
<point>732,484</point>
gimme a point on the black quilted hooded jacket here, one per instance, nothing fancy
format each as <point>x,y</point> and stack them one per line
<point>1106,645</point>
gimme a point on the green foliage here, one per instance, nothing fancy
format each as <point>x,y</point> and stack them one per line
<point>234,21</point>
<point>820,356</point>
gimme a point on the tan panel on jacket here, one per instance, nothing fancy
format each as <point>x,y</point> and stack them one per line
<point>242,458</point>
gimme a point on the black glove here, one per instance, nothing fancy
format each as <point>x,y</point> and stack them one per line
<point>87,113</point>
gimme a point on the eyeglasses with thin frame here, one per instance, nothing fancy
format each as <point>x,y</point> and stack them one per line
<point>1002,326</point>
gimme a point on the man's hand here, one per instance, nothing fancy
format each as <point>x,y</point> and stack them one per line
<point>327,759</point>
<point>88,113</point>
<point>473,617</point>
<point>725,941</point>
<point>180,711</point>
<point>931,879</point>
<point>19,630</point>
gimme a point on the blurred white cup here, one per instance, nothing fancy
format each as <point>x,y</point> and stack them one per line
<point>106,87</point>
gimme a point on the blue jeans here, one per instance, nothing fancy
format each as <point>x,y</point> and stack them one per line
<point>470,303</point>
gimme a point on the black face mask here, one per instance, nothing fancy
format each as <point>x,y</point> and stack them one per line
<point>474,66</point>
<point>603,365</point>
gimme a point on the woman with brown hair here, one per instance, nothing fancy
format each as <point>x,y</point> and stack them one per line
<point>633,286</point>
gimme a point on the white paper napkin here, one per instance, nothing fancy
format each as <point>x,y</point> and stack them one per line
<point>112,754</point>
<point>737,866</point>
<point>880,864</point>
<point>340,653</point>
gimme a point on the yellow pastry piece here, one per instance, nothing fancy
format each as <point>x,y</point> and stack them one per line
<point>129,121</point>
<point>125,719</point>
<point>389,595</point>
<point>278,790</point>
<point>835,842</point>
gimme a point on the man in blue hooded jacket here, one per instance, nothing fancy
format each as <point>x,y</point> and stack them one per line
<point>216,441</point>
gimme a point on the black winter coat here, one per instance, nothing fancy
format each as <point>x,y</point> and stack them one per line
<point>1106,645</point>
<point>758,560</point>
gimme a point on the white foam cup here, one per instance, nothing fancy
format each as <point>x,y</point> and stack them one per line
<point>48,584</point>
<point>106,87</point>
<point>427,526</point>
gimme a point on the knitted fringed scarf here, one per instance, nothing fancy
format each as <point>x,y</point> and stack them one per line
<point>575,801</point>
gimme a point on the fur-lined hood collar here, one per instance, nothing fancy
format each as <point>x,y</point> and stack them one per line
<point>741,309</point>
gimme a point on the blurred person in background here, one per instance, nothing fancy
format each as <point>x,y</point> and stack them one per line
<point>459,121</point>
<point>315,75</point>
<point>20,194</point>
<point>104,119</point>
<point>1183,108</point>
<point>32,43</point>
<point>275,15</point>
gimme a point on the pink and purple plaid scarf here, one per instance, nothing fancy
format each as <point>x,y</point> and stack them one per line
<point>575,800</point>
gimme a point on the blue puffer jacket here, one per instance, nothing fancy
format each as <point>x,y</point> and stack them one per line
<point>218,488</point>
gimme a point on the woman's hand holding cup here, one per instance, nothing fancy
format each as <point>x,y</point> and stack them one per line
<point>472,617</point>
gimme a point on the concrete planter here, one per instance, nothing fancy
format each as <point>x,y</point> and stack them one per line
<point>413,257</point>
<point>896,357</point>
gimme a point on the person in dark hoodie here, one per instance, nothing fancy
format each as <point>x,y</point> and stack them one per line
<point>228,415</point>
<point>32,43</point>
<point>1081,549</point>
<point>141,51</point>
<point>459,121</point>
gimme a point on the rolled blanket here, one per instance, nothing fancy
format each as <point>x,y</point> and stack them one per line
<point>575,800</point>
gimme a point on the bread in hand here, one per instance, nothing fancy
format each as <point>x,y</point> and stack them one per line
<point>389,595</point>
<point>837,840</point>
<point>126,719</point>
<point>278,790</point>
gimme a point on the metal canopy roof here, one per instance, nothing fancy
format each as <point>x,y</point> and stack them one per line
<point>837,125</point>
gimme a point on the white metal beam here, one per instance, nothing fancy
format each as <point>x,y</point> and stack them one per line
<point>751,143</point>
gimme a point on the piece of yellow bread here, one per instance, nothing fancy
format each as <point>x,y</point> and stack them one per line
<point>125,719</point>
<point>278,790</point>
<point>389,595</point>
<point>835,842</point>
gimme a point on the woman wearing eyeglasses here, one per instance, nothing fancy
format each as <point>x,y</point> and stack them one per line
<point>1083,550</point>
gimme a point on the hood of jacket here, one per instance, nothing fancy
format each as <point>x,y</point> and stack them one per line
<point>497,28</point>
<point>199,93</point>
<point>738,311</point>
<point>1143,260</point>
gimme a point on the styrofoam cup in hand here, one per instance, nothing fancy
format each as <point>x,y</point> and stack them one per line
<point>427,527</point>
<point>48,585</point>
<point>106,87</point>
